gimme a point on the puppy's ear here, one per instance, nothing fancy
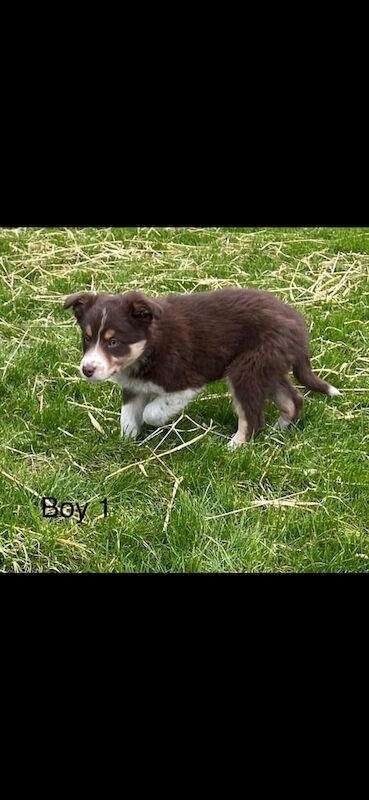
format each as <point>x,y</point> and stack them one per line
<point>142,308</point>
<point>80,302</point>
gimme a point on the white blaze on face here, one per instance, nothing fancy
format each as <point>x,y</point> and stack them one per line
<point>96,359</point>
<point>103,318</point>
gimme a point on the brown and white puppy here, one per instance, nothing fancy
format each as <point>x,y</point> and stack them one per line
<point>163,352</point>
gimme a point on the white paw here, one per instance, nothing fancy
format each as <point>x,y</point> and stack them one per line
<point>234,443</point>
<point>282,424</point>
<point>128,424</point>
<point>153,416</point>
<point>333,392</point>
<point>129,431</point>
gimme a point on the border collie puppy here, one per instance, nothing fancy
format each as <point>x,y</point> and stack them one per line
<point>162,352</point>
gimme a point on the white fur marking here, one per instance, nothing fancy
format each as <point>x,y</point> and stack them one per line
<point>131,416</point>
<point>160,410</point>
<point>239,437</point>
<point>96,358</point>
<point>282,424</point>
<point>125,381</point>
<point>235,442</point>
<point>333,392</point>
<point>103,318</point>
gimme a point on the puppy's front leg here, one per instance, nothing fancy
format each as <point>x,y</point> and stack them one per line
<point>132,413</point>
<point>160,410</point>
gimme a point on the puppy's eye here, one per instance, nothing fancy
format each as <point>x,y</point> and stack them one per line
<point>87,338</point>
<point>113,342</point>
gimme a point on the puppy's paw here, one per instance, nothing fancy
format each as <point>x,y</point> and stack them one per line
<point>129,432</point>
<point>282,424</point>
<point>129,428</point>
<point>234,443</point>
<point>154,416</point>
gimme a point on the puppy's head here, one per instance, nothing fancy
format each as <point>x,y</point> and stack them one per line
<point>115,330</point>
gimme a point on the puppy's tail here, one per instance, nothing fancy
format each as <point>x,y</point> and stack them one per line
<point>304,374</point>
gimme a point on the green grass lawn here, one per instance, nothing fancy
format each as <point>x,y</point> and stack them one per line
<point>287,502</point>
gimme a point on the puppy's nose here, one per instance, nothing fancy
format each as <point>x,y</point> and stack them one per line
<point>88,371</point>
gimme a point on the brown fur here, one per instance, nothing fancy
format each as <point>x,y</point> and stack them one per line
<point>245,335</point>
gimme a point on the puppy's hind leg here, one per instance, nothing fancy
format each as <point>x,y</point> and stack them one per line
<point>290,403</point>
<point>249,401</point>
<point>242,434</point>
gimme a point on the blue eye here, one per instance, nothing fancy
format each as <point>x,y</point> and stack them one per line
<point>87,338</point>
<point>113,342</point>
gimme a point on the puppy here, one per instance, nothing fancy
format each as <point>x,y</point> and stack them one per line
<point>163,352</point>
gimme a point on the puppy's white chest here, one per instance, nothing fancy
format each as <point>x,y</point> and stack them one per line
<point>125,381</point>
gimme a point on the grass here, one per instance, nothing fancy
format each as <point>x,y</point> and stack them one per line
<point>178,501</point>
